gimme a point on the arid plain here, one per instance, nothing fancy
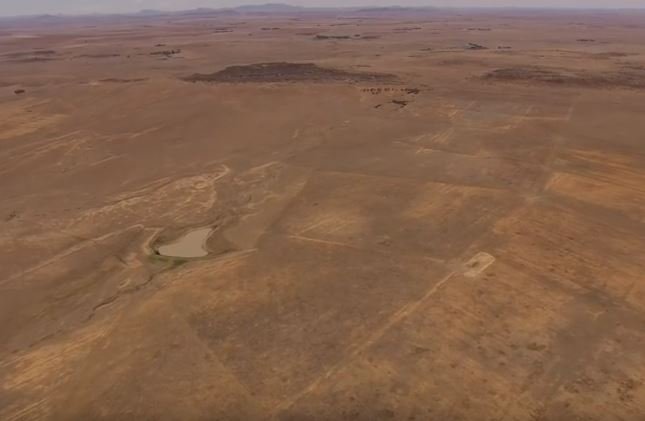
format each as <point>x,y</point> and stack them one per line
<point>407,215</point>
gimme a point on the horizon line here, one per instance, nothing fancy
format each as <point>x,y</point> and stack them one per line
<point>320,8</point>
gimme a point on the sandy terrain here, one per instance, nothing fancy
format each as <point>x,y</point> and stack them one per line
<point>407,216</point>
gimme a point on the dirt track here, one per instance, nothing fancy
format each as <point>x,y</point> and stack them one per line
<point>404,226</point>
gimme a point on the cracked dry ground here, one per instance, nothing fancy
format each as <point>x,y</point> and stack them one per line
<point>475,254</point>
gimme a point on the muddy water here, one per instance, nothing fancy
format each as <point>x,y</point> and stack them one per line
<point>193,244</point>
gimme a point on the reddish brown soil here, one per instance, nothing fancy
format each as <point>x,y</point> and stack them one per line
<point>396,236</point>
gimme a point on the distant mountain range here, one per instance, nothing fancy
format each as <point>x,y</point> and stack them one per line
<point>260,9</point>
<point>251,8</point>
<point>267,8</point>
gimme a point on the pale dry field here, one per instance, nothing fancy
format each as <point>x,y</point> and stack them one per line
<point>425,216</point>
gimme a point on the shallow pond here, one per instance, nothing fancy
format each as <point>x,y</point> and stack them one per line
<point>192,244</point>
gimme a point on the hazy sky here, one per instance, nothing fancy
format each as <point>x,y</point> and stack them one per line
<point>19,7</point>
